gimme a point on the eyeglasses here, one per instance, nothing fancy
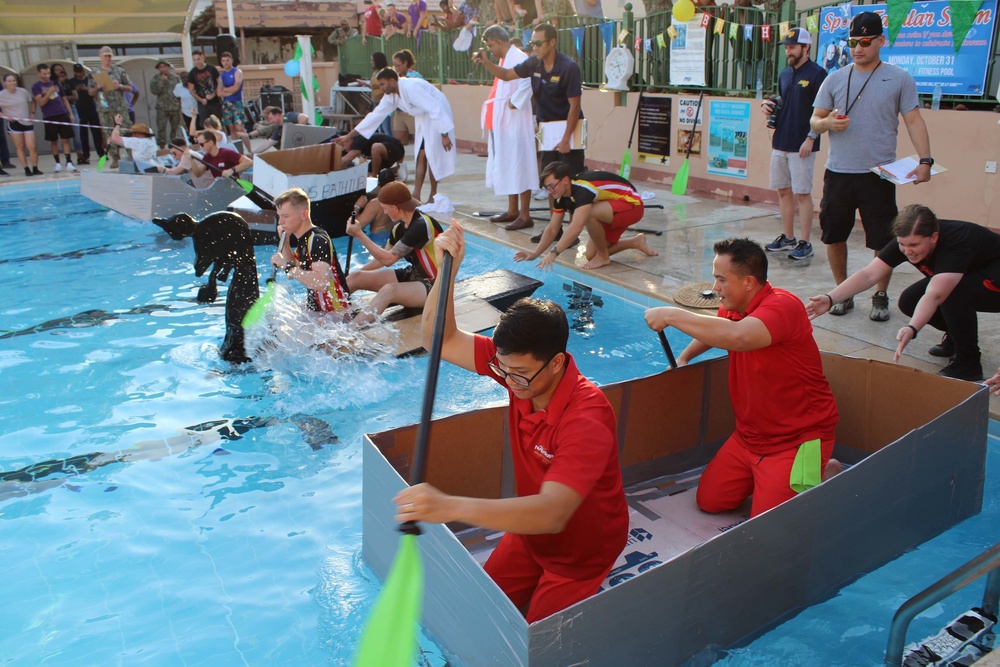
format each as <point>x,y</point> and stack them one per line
<point>864,41</point>
<point>551,187</point>
<point>516,378</point>
<point>538,42</point>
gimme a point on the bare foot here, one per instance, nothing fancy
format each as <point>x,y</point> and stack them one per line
<point>640,241</point>
<point>597,262</point>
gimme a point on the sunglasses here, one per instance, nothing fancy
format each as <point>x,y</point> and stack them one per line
<point>538,42</point>
<point>864,42</point>
<point>515,378</point>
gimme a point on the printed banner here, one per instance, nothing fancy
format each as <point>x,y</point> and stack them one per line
<point>687,54</point>
<point>728,137</point>
<point>923,47</point>
<point>654,127</point>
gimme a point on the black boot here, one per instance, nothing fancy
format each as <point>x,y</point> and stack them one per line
<point>946,348</point>
<point>960,368</point>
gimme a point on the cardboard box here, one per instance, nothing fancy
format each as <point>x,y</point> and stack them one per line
<point>917,443</point>
<point>315,169</point>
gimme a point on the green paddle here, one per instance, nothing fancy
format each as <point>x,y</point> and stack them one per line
<point>389,639</point>
<point>263,304</point>
<point>102,162</point>
<point>626,168</point>
<point>680,185</point>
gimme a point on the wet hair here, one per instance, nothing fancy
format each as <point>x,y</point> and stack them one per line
<point>41,66</point>
<point>496,33</point>
<point>548,30</point>
<point>297,197</point>
<point>534,327</point>
<point>746,257</point>
<point>387,73</point>
<point>559,170</point>
<point>915,219</point>
<point>379,61</point>
<point>405,56</point>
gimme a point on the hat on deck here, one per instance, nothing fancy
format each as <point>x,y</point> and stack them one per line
<point>397,194</point>
<point>797,36</point>
<point>866,24</point>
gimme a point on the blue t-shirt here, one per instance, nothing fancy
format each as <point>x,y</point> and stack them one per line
<point>798,89</point>
<point>552,89</point>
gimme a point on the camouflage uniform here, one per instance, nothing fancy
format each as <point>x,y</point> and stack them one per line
<point>168,107</point>
<point>110,103</point>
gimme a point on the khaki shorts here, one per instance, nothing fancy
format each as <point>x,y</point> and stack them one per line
<point>788,170</point>
<point>404,121</point>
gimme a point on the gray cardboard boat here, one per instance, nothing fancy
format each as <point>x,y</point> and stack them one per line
<point>690,584</point>
<point>148,196</point>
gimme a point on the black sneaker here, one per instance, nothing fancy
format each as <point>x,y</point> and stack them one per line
<point>35,171</point>
<point>27,171</point>
<point>946,348</point>
<point>8,165</point>
<point>963,369</point>
<point>3,173</point>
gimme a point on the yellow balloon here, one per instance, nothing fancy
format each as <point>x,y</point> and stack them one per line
<point>683,10</point>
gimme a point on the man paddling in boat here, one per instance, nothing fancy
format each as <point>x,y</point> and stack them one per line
<point>569,521</point>
<point>313,262</point>
<point>412,238</point>
<point>782,402</point>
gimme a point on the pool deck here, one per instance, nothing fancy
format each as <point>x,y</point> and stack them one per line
<point>690,225</point>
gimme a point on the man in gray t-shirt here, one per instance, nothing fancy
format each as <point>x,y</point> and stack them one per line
<point>860,107</point>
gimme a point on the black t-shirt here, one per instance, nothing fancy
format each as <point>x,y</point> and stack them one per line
<point>315,246</point>
<point>798,88</point>
<point>962,247</point>
<point>590,186</point>
<point>552,89</point>
<point>359,143</point>
<point>205,81</point>
<point>84,102</point>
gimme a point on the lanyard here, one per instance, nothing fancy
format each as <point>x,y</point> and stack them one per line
<point>850,105</point>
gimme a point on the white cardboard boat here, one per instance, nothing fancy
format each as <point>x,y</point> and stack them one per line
<point>690,584</point>
<point>148,196</point>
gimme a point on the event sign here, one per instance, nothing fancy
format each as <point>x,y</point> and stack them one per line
<point>687,54</point>
<point>728,135</point>
<point>654,127</point>
<point>923,47</point>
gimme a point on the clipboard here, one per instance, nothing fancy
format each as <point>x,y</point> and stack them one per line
<point>897,170</point>
<point>550,133</point>
<point>104,80</point>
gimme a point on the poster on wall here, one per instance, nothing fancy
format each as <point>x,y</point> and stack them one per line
<point>687,109</point>
<point>923,47</point>
<point>687,54</point>
<point>654,128</point>
<point>728,135</point>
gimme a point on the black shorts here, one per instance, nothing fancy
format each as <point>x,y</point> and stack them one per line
<point>408,274</point>
<point>55,132</point>
<point>394,149</point>
<point>868,194</point>
<point>574,159</point>
<point>13,127</point>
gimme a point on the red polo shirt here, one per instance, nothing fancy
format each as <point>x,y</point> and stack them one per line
<point>573,442</point>
<point>779,393</point>
<point>373,24</point>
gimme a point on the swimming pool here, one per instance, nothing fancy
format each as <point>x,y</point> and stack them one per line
<point>246,551</point>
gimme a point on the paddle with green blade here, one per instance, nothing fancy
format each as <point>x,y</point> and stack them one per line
<point>263,304</point>
<point>626,168</point>
<point>681,180</point>
<point>100,163</point>
<point>389,639</point>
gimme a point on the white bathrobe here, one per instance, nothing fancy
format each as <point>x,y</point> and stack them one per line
<point>432,118</point>
<point>511,163</point>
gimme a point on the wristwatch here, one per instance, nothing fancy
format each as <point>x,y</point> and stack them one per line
<point>929,161</point>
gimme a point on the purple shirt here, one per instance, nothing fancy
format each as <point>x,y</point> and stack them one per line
<point>55,106</point>
<point>415,11</point>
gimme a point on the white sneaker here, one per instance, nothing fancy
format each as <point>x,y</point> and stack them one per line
<point>402,172</point>
<point>58,168</point>
<point>70,167</point>
<point>541,195</point>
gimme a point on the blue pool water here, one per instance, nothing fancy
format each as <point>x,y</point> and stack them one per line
<point>161,549</point>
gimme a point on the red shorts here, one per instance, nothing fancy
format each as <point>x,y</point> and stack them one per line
<point>528,585</point>
<point>626,215</point>
<point>735,473</point>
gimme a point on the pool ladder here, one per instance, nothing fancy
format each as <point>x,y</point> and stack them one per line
<point>974,626</point>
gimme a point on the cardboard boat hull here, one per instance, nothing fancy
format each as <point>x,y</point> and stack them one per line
<point>148,196</point>
<point>917,442</point>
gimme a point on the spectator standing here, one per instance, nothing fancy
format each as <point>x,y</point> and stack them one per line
<point>231,91</point>
<point>17,103</point>
<point>168,105</point>
<point>56,111</point>
<point>371,25</point>
<point>110,95</point>
<point>131,97</point>
<point>396,22</point>
<point>189,106</point>
<point>863,131</point>
<point>511,165</point>
<point>589,8</point>
<point>68,91</point>
<point>86,109</point>
<point>794,144</point>
<point>203,82</point>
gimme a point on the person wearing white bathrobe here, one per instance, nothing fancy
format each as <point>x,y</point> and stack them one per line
<point>432,113</point>
<point>511,163</point>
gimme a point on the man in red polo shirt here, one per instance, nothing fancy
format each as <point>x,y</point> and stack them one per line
<point>781,399</point>
<point>569,521</point>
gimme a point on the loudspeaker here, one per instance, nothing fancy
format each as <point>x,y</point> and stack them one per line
<point>226,42</point>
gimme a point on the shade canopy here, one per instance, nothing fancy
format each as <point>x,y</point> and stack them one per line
<point>86,20</point>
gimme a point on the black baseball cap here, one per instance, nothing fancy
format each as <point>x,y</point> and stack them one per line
<point>77,67</point>
<point>866,24</point>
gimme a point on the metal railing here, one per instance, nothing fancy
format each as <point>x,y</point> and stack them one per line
<point>986,563</point>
